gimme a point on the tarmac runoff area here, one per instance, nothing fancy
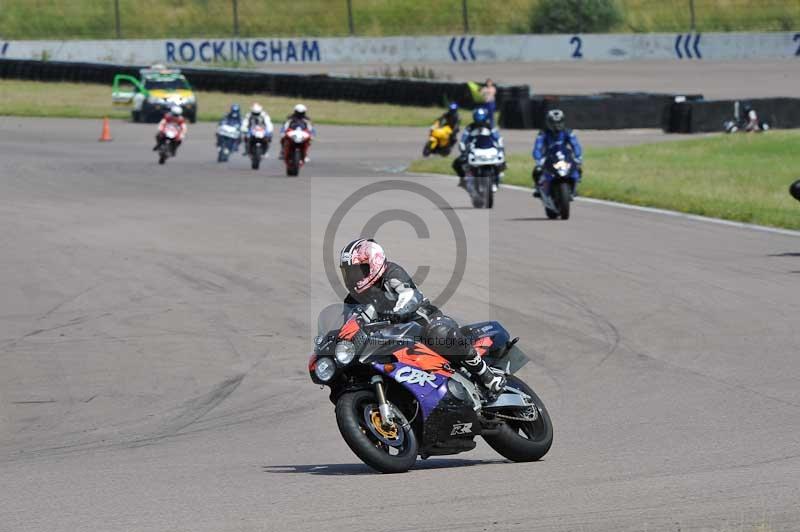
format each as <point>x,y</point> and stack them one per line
<point>155,324</point>
<point>712,79</point>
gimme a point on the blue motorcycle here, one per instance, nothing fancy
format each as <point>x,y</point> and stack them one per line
<point>559,178</point>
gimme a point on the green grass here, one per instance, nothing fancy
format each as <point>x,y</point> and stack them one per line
<point>80,100</point>
<point>76,19</point>
<point>740,177</point>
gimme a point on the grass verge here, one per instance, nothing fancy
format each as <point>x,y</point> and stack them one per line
<point>741,177</point>
<point>83,100</point>
<point>83,19</point>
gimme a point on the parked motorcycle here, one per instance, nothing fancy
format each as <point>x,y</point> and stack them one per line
<point>227,140</point>
<point>556,187</point>
<point>396,398</point>
<point>440,141</point>
<point>482,168</point>
<point>257,145</point>
<point>296,140</point>
<point>170,135</point>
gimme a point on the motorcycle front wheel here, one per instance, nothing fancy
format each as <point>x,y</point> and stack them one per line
<point>294,168</point>
<point>392,450</point>
<point>255,160</point>
<point>562,199</point>
<point>524,441</point>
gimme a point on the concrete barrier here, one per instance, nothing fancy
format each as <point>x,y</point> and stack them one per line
<point>420,50</point>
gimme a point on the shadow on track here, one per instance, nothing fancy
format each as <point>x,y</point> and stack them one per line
<point>784,255</point>
<point>529,219</point>
<point>362,469</point>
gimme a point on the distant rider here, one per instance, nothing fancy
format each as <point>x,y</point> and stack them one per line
<point>750,118</point>
<point>480,122</point>
<point>298,119</point>
<point>555,133</point>
<point>173,116</point>
<point>449,119</point>
<point>372,280</point>
<point>232,118</point>
<point>257,117</point>
<point>489,93</point>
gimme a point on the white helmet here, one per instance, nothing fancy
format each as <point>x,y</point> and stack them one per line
<point>300,110</point>
<point>256,109</point>
<point>176,110</point>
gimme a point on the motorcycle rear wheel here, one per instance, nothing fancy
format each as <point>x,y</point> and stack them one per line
<point>524,441</point>
<point>367,440</point>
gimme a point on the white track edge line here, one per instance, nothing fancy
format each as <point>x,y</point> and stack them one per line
<point>652,210</point>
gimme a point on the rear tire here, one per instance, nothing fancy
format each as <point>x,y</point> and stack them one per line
<point>536,437</point>
<point>136,116</point>
<point>350,418</point>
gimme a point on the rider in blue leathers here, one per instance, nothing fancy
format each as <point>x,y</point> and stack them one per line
<point>555,132</point>
<point>480,121</point>
<point>232,118</point>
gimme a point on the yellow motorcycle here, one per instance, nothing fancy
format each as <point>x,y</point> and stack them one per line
<point>441,140</point>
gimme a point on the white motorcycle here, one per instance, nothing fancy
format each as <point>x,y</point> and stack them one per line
<point>485,157</point>
<point>227,140</point>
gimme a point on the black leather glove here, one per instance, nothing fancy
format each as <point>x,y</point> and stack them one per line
<point>537,171</point>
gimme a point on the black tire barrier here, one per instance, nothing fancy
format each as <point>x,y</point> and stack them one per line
<point>794,190</point>
<point>709,115</point>
<point>599,111</point>
<point>317,86</point>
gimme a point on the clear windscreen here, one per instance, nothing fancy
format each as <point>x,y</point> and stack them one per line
<point>332,317</point>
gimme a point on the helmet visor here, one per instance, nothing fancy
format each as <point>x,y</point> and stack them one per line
<point>352,274</point>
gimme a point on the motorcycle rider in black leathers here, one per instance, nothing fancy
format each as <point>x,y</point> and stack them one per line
<point>372,280</point>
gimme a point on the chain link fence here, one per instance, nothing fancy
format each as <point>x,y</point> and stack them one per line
<point>140,19</point>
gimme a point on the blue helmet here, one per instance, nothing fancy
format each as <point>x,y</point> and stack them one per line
<point>234,109</point>
<point>480,115</point>
<point>453,107</point>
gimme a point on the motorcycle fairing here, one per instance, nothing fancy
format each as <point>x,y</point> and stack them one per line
<point>427,388</point>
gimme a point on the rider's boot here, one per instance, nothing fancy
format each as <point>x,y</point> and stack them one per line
<point>494,382</point>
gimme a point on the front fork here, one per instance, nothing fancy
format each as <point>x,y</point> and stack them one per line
<point>383,405</point>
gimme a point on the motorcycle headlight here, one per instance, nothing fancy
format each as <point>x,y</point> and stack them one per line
<point>345,352</point>
<point>325,369</point>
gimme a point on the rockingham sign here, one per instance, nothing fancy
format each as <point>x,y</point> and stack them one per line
<point>419,50</point>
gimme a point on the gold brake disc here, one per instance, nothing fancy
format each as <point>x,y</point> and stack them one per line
<point>389,434</point>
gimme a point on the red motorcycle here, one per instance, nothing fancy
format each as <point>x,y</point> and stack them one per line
<point>296,141</point>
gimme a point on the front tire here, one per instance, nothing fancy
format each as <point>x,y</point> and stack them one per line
<point>255,160</point>
<point>794,190</point>
<point>562,199</point>
<point>524,441</point>
<point>354,412</point>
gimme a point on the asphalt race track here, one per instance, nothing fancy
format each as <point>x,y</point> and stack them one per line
<point>155,324</point>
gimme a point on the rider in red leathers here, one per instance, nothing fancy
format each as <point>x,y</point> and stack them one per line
<point>175,116</point>
<point>298,118</point>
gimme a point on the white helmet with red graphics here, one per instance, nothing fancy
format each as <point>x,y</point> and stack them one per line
<point>363,263</point>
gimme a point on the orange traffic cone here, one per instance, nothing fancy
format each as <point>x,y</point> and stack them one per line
<point>105,136</point>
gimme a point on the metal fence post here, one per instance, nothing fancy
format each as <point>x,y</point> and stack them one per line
<point>350,17</point>
<point>465,13</point>
<point>116,19</point>
<point>236,18</point>
<point>691,11</point>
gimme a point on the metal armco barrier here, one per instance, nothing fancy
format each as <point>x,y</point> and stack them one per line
<point>324,87</point>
